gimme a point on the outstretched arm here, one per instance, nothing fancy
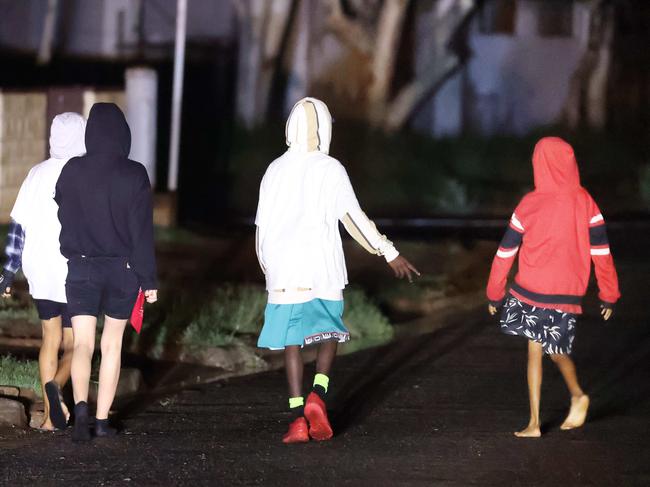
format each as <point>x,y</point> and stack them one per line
<point>502,263</point>
<point>365,232</point>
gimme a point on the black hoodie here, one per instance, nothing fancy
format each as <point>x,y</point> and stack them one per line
<point>105,202</point>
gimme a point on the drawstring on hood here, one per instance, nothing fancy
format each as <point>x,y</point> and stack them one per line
<point>554,166</point>
<point>309,127</point>
<point>107,130</point>
<point>67,136</point>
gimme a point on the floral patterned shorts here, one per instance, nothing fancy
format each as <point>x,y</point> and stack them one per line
<point>553,328</point>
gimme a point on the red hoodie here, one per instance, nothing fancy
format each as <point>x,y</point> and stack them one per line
<point>559,230</point>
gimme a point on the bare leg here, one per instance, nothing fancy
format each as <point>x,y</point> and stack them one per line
<point>326,355</point>
<point>83,327</point>
<point>65,362</point>
<point>48,360</point>
<point>579,400</point>
<point>294,367</point>
<point>109,370</point>
<point>535,355</point>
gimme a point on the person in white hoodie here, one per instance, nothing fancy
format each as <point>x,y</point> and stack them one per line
<point>303,196</point>
<point>33,244</point>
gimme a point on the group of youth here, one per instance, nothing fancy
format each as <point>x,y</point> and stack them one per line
<point>105,224</point>
<point>82,231</point>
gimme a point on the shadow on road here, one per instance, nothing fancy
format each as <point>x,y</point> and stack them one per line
<point>384,369</point>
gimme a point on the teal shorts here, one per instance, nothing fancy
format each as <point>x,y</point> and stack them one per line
<point>301,324</point>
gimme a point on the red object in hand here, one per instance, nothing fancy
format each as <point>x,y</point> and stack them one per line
<point>137,315</point>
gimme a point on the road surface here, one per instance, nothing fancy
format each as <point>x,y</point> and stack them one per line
<point>437,409</point>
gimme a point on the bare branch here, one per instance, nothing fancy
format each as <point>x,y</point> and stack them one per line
<point>412,95</point>
<point>348,31</point>
<point>450,16</point>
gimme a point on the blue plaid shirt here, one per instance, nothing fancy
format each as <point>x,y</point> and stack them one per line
<point>14,248</point>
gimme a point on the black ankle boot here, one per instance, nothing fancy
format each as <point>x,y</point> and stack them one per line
<point>81,430</point>
<point>102,428</point>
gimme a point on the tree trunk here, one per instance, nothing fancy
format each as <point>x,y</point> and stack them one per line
<point>277,18</point>
<point>299,65</point>
<point>262,26</point>
<point>49,33</point>
<point>450,16</point>
<point>389,32</point>
<point>587,99</point>
<point>249,15</point>
<point>597,84</point>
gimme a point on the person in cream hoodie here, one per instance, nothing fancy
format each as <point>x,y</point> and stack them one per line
<point>304,195</point>
<point>33,244</point>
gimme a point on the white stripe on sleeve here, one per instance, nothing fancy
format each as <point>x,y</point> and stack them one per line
<point>516,223</point>
<point>600,251</point>
<point>596,219</point>
<point>504,254</point>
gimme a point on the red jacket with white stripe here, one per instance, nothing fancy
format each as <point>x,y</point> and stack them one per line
<point>558,231</point>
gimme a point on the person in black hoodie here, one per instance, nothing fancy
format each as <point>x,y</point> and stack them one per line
<point>105,209</point>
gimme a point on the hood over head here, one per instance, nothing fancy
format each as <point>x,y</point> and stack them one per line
<point>107,130</point>
<point>555,166</point>
<point>67,136</point>
<point>309,127</point>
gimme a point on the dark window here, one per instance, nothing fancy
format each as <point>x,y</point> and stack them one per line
<point>498,17</point>
<point>555,18</point>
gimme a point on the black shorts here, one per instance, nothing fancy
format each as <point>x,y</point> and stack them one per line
<point>97,285</point>
<point>51,309</point>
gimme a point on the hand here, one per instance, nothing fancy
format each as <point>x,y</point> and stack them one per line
<point>6,283</point>
<point>151,295</point>
<point>492,309</point>
<point>606,312</point>
<point>403,268</point>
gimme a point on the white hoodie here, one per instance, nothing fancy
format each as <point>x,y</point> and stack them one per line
<point>36,211</point>
<point>303,196</point>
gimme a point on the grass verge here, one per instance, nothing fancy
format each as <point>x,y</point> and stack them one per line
<point>233,314</point>
<point>20,373</point>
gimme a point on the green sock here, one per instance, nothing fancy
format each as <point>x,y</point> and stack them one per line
<point>321,384</point>
<point>296,402</point>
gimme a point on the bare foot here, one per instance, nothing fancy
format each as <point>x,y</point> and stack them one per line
<point>577,413</point>
<point>47,425</point>
<point>66,412</point>
<point>531,431</point>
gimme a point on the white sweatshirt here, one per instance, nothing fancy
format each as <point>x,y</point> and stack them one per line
<point>303,196</point>
<point>36,211</point>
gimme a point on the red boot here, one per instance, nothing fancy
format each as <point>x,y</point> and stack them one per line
<point>298,432</point>
<point>316,414</point>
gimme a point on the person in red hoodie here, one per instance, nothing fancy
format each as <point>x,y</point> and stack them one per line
<point>558,230</point>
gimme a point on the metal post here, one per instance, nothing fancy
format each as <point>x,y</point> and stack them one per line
<point>177,96</point>
<point>142,115</point>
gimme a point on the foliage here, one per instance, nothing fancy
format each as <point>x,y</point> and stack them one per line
<point>644,184</point>
<point>13,310</point>
<point>363,317</point>
<point>234,313</point>
<point>416,175</point>
<point>427,286</point>
<point>232,310</point>
<point>174,235</point>
<point>20,373</point>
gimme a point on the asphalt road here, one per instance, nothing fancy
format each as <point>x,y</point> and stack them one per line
<point>438,409</point>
